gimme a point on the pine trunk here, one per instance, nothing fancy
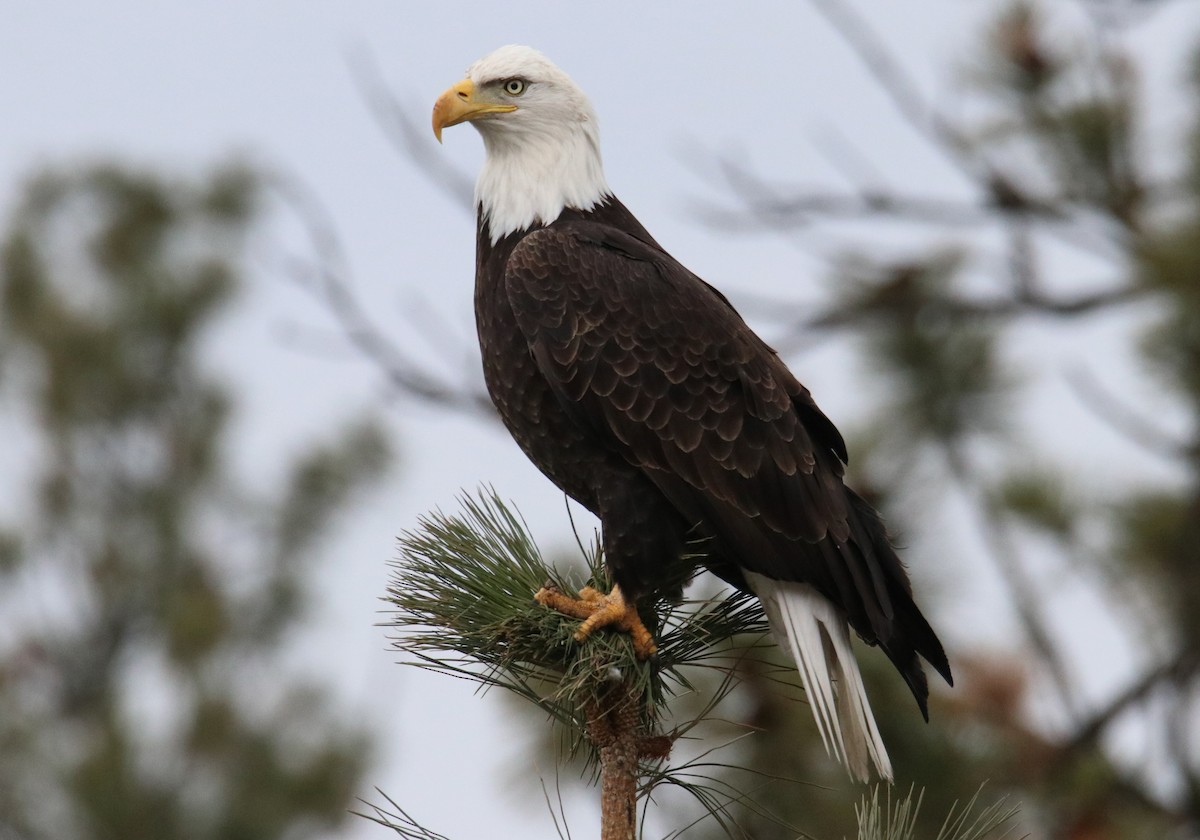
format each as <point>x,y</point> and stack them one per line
<point>614,730</point>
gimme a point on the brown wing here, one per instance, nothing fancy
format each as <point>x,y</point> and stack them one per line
<point>658,364</point>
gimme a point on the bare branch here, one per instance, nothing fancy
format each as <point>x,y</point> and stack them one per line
<point>1001,195</point>
<point>802,332</point>
<point>761,209</point>
<point>1127,421</point>
<point>1023,595</point>
<point>409,135</point>
<point>327,276</point>
<point>763,205</point>
<point>1181,668</point>
<point>895,80</point>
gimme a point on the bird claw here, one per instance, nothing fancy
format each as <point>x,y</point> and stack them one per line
<point>598,610</point>
<point>554,598</point>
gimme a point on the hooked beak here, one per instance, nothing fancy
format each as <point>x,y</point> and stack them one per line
<point>460,104</point>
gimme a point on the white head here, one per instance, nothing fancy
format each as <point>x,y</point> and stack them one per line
<point>543,145</point>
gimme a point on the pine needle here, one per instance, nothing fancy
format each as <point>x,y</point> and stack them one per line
<point>897,820</point>
<point>398,820</point>
<point>463,592</point>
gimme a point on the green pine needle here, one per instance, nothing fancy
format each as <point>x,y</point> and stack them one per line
<point>463,591</point>
<point>897,820</point>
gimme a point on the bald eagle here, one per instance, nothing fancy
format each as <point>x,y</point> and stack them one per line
<point>638,389</point>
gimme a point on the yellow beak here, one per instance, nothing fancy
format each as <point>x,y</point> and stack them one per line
<point>459,104</point>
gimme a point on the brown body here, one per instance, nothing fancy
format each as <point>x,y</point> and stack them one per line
<point>639,391</point>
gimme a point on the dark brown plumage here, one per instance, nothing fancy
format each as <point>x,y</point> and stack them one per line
<point>638,389</point>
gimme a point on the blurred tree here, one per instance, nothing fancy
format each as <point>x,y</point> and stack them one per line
<point>1068,217</point>
<point>1063,176</point>
<point>148,596</point>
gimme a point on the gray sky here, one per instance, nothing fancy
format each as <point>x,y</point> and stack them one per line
<point>186,85</point>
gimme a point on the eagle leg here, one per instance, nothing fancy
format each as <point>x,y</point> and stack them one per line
<point>598,610</point>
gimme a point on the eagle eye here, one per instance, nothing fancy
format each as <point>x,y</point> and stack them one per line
<point>514,87</point>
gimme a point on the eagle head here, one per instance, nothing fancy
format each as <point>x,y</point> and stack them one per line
<point>539,129</point>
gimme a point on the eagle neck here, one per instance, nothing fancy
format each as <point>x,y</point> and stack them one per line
<point>529,179</point>
<point>492,249</point>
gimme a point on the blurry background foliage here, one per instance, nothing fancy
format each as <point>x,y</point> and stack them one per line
<point>147,594</point>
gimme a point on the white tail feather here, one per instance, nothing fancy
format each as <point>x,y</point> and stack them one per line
<point>815,633</point>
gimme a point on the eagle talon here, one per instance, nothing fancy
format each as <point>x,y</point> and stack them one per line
<point>599,610</point>
<point>554,598</point>
<point>591,595</point>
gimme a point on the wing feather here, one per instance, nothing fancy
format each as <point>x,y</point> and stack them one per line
<point>640,344</point>
<point>665,371</point>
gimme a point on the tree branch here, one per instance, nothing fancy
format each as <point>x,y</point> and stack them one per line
<point>1182,667</point>
<point>409,136</point>
<point>613,727</point>
<point>328,275</point>
<point>895,81</point>
<point>1123,419</point>
<point>1023,595</point>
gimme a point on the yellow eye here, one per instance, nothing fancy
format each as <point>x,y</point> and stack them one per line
<point>514,87</point>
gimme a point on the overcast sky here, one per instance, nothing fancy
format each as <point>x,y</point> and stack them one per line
<point>184,86</point>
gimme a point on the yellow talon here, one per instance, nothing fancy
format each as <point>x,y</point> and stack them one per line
<point>599,610</point>
<point>590,594</point>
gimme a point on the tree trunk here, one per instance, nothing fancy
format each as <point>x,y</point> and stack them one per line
<point>613,728</point>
